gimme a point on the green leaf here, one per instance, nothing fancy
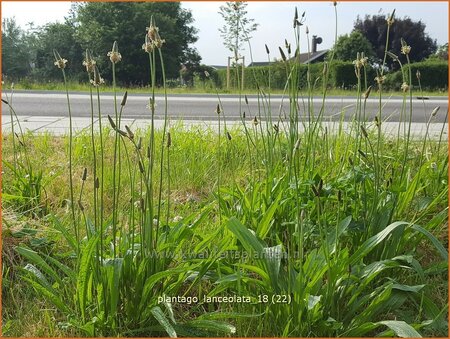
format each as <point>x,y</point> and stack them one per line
<point>313,300</point>
<point>84,272</point>
<point>49,294</point>
<point>114,268</point>
<point>272,259</point>
<point>437,244</point>
<point>334,236</point>
<point>65,269</point>
<point>408,288</point>
<point>215,326</point>
<point>372,242</point>
<point>153,279</point>
<point>401,328</point>
<point>60,227</point>
<point>247,238</point>
<point>24,232</point>
<point>38,261</point>
<point>266,221</point>
<point>38,275</point>
<point>163,321</point>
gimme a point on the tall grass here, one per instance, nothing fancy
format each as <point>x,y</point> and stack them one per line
<point>320,229</point>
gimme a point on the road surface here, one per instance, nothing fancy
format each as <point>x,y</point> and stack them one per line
<point>202,106</point>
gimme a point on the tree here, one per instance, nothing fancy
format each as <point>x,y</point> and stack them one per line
<point>441,53</point>
<point>348,45</point>
<point>374,28</point>
<point>99,24</point>
<point>16,56</point>
<point>238,27</point>
<point>60,37</point>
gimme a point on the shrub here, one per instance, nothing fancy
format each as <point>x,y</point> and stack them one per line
<point>342,75</point>
<point>433,75</point>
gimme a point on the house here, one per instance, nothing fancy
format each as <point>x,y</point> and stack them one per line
<point>305,58</point>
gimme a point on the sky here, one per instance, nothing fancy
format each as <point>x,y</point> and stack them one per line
<point>274,19</point>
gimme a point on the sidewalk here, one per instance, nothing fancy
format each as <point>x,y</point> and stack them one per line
<point>60,125</point>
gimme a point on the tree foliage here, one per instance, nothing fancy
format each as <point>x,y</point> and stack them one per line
<point>96,25</point>
<point>101,23</point>
<point>348,45</point>
<point>16,54</point>
<point>374,28</point>
<point>238,27</point>
<point>60,37</point>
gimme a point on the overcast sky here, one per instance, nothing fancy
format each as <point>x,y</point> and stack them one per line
<point>274,19</point>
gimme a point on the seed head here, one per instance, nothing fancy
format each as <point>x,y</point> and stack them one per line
<point>114,54</point>
<point>377,122</point>
<point>364,132</point>
<point>364,155</point>
<point>124,99</point>
<point>169,140</point>
<point>139,144</point>
<point>96,183</point>
<point>88,62</point>
<point>228,136</point>
<point>283,56</point>
<point>148,46</point>
<point>141,167</point>
<point>357,62</point>
<point>267,49</point>
<point>255,121</point>
<point>122,133</point>
<point>363,60</point>
<point>153,36</point>
<point>276,128</point>
<point>130,133</point>
<point>111,122</point>
<point>435,110</point>
<point>405,48</point>
<point>59,62</point>
<point>98,80</point>
<point>404,87</point>
<point>418,75</point>
<point>84,174</point>
<point>390,20</point>
<point>218,110</point>
<point>367,92</point>
<point>380,79</point>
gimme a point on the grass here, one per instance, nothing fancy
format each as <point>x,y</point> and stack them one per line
<point>320,233</point>
<point>82,87</point>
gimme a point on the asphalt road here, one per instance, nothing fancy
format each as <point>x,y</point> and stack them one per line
<point>202,107</point>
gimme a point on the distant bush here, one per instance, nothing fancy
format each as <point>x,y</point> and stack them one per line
<point>433,75</point>
<point>342,75</point>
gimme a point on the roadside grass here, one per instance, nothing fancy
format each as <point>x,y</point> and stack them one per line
<point>328,233</point>
<point>193,186</point>
<point>108,88</point>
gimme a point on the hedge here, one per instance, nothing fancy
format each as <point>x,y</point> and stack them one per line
<point>434,75</point>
